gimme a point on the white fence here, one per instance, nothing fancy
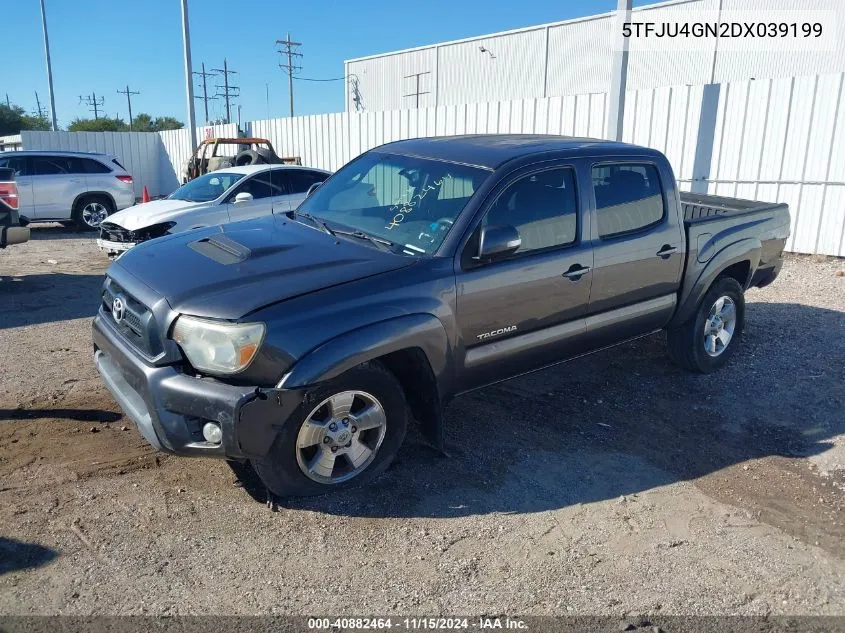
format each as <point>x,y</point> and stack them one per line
<point>771,139</point>
<point>155,159</point>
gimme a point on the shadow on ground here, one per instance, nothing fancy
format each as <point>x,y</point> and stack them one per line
<point>56,231</point>
<point>620,422</point>
<point>47,298</point>
<point>79,415</point>
<point>17,555</point>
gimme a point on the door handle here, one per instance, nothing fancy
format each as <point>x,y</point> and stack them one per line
<point>666,251</point>
<point>576,271</point>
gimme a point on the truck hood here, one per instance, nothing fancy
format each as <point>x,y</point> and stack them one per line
<point>228,271</point>
<point>155,212</point>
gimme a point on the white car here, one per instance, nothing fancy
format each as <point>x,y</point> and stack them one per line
<point>229,195</point>
<point>80,187</point>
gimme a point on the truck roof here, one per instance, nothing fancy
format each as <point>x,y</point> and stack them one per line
<point>493,150</point>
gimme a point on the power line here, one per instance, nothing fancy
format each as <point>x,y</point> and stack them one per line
<point>288,50</point>
<point>128,94</point>
<point>229,92</point>
<point>204,96</point>
<point>93,103</point>
<point>417,93</point>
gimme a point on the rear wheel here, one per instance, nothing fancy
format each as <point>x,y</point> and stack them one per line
<point>90,211</point>
<point>708,340</point>
<point>346,433</point>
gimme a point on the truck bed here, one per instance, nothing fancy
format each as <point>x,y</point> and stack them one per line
<point>700,207</point>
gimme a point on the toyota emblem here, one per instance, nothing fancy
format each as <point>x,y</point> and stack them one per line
<point>118,309</point>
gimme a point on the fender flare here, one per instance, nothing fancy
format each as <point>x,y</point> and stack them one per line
<point>93,194</point>
<point>748,249</point>
<point>344,352</point>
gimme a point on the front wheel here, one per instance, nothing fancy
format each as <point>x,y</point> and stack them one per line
<point>706,342</point>
<point>346,432</point>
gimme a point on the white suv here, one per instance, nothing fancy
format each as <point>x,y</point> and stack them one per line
<point>69,186</point>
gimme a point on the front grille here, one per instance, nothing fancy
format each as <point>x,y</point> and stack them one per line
<point>137,324</point>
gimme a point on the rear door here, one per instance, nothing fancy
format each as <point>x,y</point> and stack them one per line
<point>23,180</point>
<point>56,183</point>
<point>527,310</point>
<point>265,194</point>
<point>639,249</point>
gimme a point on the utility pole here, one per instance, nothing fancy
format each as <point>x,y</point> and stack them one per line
<point>205,96</point>
<point>189,77</point>
<point>417,92</point>
<point>619,72</point>
<point>8,105</point>
<point>229,92</point>
<point>128,94</point>
<point>40,112</point>
<point>93,103</point>
<point>49,68</point>
<point>288,50</point>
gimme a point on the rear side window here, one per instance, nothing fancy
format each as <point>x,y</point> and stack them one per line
<point>300,180</point>
<point>260,186</point>
<point>91,166</point>
<point>628,198</point>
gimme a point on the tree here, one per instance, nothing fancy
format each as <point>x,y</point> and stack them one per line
<point>13,119</point>
<point>103,124</point>
<point>143,122</point>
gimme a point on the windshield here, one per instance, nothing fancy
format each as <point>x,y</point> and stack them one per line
<point>206,188</point>
<point>410,201</point>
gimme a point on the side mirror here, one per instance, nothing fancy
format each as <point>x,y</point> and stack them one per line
<point>497,242</point>
<point>243,196</point>
<point>312,188</point>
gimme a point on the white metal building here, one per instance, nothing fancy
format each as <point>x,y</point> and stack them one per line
<point>573,57</point>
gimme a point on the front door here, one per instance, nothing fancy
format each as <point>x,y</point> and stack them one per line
<point>267,195</point>
<point>54,187</point>
<point>527,310</point>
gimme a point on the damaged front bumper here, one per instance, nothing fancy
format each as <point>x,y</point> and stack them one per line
<point>170,408</point>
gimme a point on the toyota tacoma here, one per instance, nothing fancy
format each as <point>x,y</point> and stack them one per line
<point>305,342</point>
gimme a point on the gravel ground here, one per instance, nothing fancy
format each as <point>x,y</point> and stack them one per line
<point>615,484</point>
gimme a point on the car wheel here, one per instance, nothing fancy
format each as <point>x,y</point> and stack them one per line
<point>90,211</point>
<point>346,432</point>
<point>708,340</point>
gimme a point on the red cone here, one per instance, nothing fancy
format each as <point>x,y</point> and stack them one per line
<point>145,197</point>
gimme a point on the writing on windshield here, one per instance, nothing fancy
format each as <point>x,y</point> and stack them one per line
<point>409,200</point>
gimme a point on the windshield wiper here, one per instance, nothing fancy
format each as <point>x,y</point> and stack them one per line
<point>317,221</point>
<point>366,236</point>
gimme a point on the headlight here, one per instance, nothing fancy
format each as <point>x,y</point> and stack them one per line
<point>217,346</point>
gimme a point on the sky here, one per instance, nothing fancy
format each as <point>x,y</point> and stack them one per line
<point>101,46</point>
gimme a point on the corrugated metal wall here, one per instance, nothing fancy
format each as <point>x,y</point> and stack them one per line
<point>772,139</point>
<point>154,159</point>
<point>574,57</point>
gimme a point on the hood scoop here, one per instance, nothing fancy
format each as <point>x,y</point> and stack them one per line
<point>221,249</point>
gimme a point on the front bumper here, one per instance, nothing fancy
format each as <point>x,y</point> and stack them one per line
<point>115,247</point>
<point>170,408</point>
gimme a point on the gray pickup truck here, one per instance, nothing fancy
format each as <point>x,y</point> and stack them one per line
<point>304,342</point>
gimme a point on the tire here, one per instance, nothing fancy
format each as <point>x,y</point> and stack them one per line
<point>90,211</point>
<point>282,470</point>
<point>691,347</point>
<point>271,158</point>
<point>248,157</point>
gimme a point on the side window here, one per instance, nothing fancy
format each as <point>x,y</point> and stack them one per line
<point>628,198</point>
<point>17,164</point>
<point>49,165</point>
<point>543,207</point>
<point>91,166</point>
<point>300,180</point>
<point>280,179</point>
<point>259,186</point>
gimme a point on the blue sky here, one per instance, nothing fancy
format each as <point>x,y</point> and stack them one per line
<point>101,45</point>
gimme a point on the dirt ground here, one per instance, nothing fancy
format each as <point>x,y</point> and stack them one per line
<point>615,484</point>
